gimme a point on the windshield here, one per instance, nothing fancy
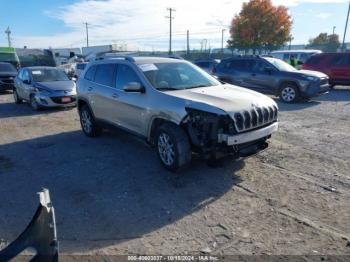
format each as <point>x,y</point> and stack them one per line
<point>280,65</point>
<point>48,75</point>
<point>176,76</point>
<point>7,68</point>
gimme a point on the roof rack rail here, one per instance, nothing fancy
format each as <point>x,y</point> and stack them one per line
<point>125,57</point>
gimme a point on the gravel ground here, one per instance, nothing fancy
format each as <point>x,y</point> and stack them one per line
<point>112,196</point>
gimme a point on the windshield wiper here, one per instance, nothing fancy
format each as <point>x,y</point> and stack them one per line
<point>197,86</point>
<point>166,88</point>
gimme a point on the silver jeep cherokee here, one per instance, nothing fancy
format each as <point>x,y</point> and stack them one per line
<point>176,107</point>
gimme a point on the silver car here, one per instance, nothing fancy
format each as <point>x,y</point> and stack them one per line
<point>176,107</point>
<point>44,87</point>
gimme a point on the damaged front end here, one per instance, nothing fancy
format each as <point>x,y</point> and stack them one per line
<point>40,235</point>
<point>215,135</point>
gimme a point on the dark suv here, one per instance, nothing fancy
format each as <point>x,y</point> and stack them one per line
<point>272,76</point>
<point>335,65</point>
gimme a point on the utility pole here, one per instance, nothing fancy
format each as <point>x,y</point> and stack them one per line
<point>8,32</point>
<point>334,27</point>
<point>222,42</point>
<point>188,43</point>
<point>87,34</point>
<point>171,10</point>
<point>346,27</point>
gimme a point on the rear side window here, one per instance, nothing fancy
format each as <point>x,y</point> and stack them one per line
<point>286,56</point>
<point>105,74</point>
<point>341,60</point>
<point>240,64</point>
<point>314,60</point>
<point>125,75</point>
<point>90,74</point>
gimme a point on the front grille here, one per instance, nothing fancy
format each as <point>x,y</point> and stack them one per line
<point>254,118</point>
<point>6,81</point>
<point>58,100</point>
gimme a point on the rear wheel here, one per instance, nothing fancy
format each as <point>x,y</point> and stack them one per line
<point>17,99</point>
<point>289,93</point>
<point>173,147</point>
<point>88,123</point>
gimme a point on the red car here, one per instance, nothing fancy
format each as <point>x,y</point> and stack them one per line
<point>335,65</point>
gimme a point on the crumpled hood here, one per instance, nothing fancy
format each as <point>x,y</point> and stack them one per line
<point>228,98</point>
<point>57,85</point>
<point>311,73</point>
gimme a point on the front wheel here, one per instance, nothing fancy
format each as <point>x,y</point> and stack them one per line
<point>173,147</point>
<point>34,104</point>
<point>88,123</point>
<point>289,93</point>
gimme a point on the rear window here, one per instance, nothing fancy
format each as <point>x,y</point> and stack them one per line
<point>7,68</point>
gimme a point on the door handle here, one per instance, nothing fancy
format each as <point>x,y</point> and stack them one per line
<point>115,96</point>
<point>90,89</point>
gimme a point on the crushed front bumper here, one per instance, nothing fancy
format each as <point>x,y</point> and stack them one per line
<point>232,140</point>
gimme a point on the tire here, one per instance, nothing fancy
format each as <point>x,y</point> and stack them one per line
<point>33,104</point>
<point>17,99</point>
<point>289,93</point>
<point>173,147</point>
<point>88,122</point>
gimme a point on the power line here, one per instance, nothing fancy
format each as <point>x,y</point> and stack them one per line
<point>87,34</point>
<point>346,27</point>
<point>170,17</point>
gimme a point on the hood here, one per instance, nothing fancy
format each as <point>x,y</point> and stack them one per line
<point>310,73</point>
<point>228,98</point>
<point>57,85</point>
<point>8,73</point>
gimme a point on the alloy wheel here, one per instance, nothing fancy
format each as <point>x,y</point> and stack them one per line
<point>86,121</point>
<point>288,94</point>
<point>166,149</point>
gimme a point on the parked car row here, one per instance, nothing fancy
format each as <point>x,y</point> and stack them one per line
<point>174,105</point>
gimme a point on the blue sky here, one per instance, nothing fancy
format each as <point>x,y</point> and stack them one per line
<point>141,24</point>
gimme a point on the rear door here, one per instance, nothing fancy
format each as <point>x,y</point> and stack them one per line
<point>263,77</point>
<point>340,68</point>
<point>101,91</point>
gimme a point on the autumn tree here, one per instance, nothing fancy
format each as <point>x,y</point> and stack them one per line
<point>260,25</point>
<point>325,42</point>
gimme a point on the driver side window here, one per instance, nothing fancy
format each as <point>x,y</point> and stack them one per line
<point>25,76</point>
<point>126,75</point>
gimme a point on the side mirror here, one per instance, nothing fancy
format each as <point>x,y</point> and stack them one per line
<point>27,82</point>
<point>134,87</point>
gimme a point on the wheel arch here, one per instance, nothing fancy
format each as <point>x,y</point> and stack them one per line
<point>156,122</point>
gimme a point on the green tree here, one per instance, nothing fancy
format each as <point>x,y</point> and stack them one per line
<point>325,42</point>
<point>260,25</point>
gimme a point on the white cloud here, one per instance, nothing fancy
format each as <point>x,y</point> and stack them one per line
<point>323,15</point>
<point>142,24</point>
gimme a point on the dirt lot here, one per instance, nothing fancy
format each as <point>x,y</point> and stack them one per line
<point>112,196</point>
